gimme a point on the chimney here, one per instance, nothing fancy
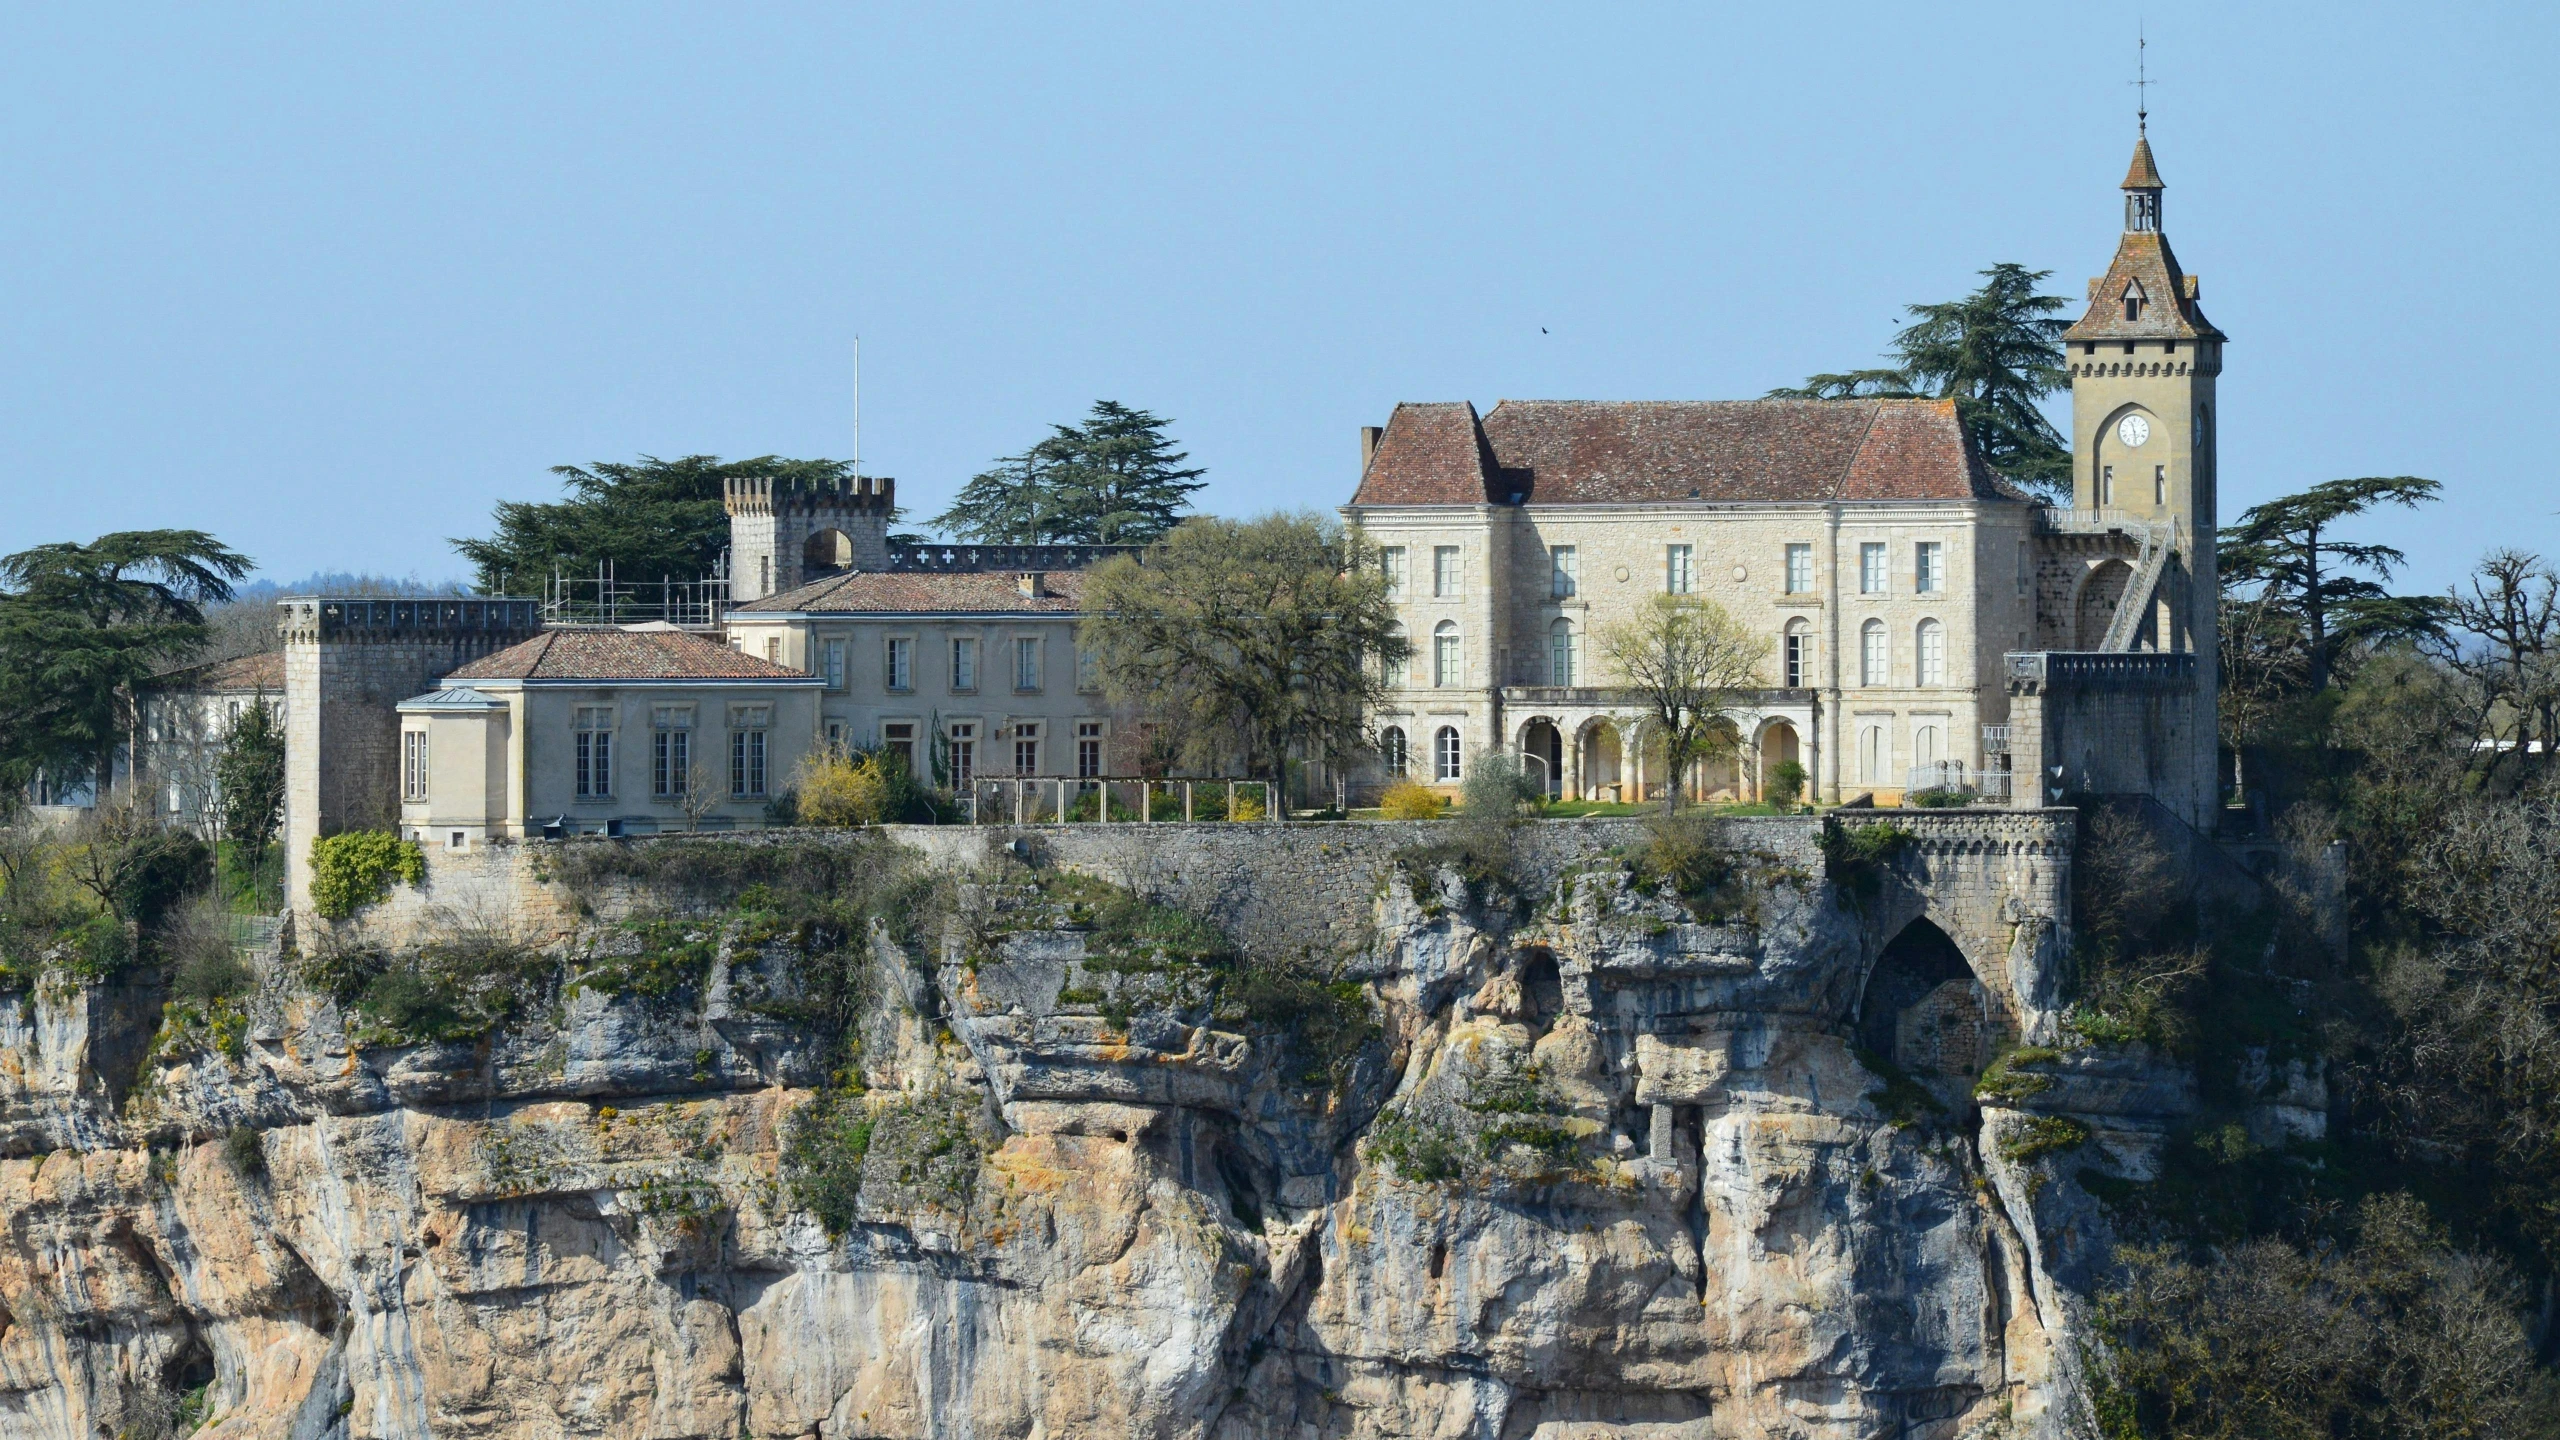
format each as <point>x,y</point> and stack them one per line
<point>1370,435</point>
<point>1032,583</point>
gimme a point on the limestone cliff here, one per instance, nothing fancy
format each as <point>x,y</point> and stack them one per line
<point>1305,1136</point>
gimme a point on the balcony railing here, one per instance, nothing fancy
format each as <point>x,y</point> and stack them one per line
<point>1995,739</point>
<point>1956,778</point>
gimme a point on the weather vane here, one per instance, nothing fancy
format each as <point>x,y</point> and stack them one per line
<point>2141,82</point>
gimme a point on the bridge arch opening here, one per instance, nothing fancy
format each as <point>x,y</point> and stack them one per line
<point>1922,1009</point>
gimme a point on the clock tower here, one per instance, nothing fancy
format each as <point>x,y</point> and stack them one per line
<point>2143,363</point>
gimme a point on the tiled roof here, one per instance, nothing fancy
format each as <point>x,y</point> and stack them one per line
<point>1582,452</point>
<point>659,653</point>
<point>1431,455</point>
<point>2143,174</point>
<point>264,671</point>
<point>984,592</point>
<point>2169,311</point>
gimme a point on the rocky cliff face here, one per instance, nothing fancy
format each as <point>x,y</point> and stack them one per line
<point>1565,1156</point>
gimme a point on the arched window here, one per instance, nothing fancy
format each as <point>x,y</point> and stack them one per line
<point>1924,746</point>
<point>1560,653</point>
<point>1396,667</point>
<point>1871,754</point>
<point>1930,649</point>
<point>1391,749</point>
<point>1796,654</point>
<point>1444,754</point>
<point>1871,653</point>
<point>1444,653</point>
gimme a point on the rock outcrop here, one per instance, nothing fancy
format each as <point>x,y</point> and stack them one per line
<point>1550,1151</point>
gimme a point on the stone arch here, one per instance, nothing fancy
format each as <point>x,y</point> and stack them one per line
<point>827,550</point>
<point>1777,743</point>
<point>2101,590</point>
<point>2105,450</point>
<point>1542,752</point>
<point>1924,1008</point>
<point>1601,748</point>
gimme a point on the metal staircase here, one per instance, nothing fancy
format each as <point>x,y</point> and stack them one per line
<point>2142,592</point>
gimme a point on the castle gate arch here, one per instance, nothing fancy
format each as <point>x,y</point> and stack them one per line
<point>1967,895</point>
<point>827,550</point>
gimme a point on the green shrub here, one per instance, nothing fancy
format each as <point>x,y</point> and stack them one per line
<point>1684,857</point>
<point>1416,1150</point>
<point>823,1149</point>
<point>1854,859</point>
<point>1785,784</point>
<point>2041,1136</point>
<point>247,1157</point>
<point>354,869</point>
<point>2004,1083</point>
<point>157,871</point>
<point>1941,797</point>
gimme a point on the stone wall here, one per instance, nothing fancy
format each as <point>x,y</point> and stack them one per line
<point>1997,882</point>
<point>347,664</point>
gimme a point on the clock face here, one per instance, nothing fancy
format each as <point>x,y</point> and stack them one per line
<point>2133,430</point>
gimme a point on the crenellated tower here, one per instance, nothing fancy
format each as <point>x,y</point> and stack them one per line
<point>784,533</point>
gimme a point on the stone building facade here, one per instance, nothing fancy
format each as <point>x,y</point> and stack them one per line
<point>1928,625</point>
<point>602,730</point>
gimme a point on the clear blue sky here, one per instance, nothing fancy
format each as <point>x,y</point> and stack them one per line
<point>330,280</point>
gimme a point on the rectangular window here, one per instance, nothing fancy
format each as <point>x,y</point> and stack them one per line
<point>1800,569</point>
<point>1088,749</point>
<point>1679,574</point>
<point>1871,574</point>
<point>1026,749</point>
<point>670,751</point>
<point>899,739</point>
<point>1394,669</point>
<point>901,664</point>
<point>964,664</point>
<point>1026,662</point>
<point>835,664</point>
<point>595,752</point>
<point>1929,567</point>
<point>1448,572</point>
<point>2159,484</point>
<point>773,649</point>
<point>1444,657</point>
<point>2023,568</point>
<point>964,756</point>
<point>747,750</point>
<point>1088,670</point>
<point>1564,577</point>
<point>1391,565</point>
<point>413,765</point>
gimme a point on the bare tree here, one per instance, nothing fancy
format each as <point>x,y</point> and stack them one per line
<point>1686,660</point>
<point>2512,616</point>
<point>701,793</point>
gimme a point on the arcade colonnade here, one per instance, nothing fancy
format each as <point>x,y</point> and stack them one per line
<point>1591,753</point>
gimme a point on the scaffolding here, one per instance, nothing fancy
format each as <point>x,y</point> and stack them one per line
<point>606,599</point>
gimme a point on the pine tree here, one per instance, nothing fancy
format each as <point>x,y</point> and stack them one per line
<point>653,520</point>
<point>1997,353</point>
<point>1115,479</point>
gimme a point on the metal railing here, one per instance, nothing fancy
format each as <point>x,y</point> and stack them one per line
<point>963,558</point>
<point>605,599</point>
<point>1956,778</point>
<point>1995,739</point>
<point>1056,799</point>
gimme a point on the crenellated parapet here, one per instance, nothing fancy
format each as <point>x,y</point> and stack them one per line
<point>848,495</point>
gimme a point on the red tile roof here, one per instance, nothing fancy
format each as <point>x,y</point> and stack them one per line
<point>1584,452</point>
<point>264,671</point>
<point>2169,311</point>
<point>617,654</point>
<point>1433,455</point>
<point>963,592</point>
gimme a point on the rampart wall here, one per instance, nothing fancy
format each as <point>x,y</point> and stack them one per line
<point>1997,882</point>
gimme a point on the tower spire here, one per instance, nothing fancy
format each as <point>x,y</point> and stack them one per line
<point>2142,185</point>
